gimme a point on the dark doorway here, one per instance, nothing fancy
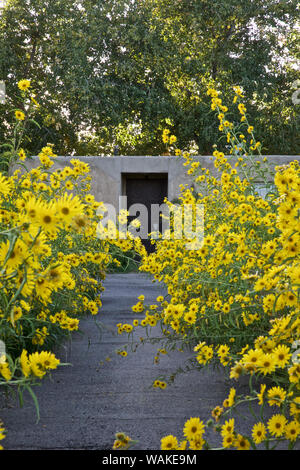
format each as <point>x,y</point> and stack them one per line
<point>146,189</point>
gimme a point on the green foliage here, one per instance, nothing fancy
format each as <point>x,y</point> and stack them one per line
<point>116,69</point>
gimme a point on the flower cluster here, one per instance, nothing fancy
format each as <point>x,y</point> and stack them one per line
<point>234,298</point>
<point>122,441</point>
<point>52,261</point>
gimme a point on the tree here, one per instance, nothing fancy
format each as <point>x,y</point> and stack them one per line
<point>117,71</point>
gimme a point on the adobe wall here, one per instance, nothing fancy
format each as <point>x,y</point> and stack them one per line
<point>106,172</point>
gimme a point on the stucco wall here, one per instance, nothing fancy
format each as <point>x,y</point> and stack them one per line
<point>106,172</point>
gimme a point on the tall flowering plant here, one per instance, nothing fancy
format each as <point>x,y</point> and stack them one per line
<point>234,301</point>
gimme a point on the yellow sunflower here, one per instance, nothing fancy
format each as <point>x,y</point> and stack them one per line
<point>192,428</point>
<point>24,84</point>
<point>19,115</point>
<point>276,425</point>
<point>169,443</point>
<point>258,433</point>
<point>68,207</point>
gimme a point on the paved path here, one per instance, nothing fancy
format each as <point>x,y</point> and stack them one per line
<point>86,403</point>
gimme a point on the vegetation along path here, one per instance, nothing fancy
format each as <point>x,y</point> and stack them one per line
<point>83,405</point>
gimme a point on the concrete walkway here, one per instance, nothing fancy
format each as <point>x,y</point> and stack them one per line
<point>85,404</point>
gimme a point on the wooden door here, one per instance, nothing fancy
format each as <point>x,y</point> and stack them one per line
<point>147,190</point>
